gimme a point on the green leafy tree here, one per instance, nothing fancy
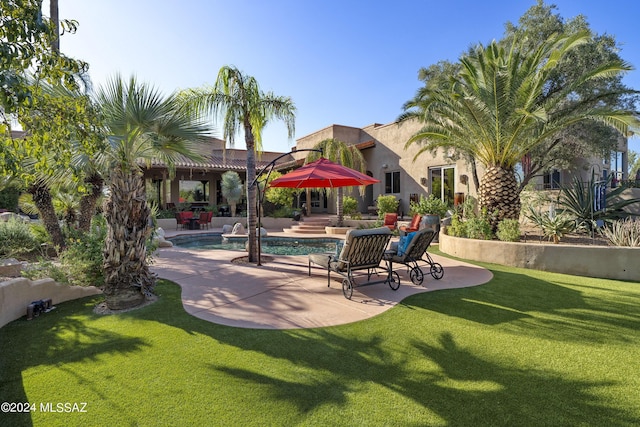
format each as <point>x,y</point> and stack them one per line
<point>582,139</point>
<point>141,124</point>
<point>579,140</point>
<point>29,44</point>
<point>347,155</point>
<point>242,105</point>
<point>496,110</point>
<point>279,195</point>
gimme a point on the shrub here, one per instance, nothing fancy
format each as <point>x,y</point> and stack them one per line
<point>83,259</point>
<point>16,238</point>
<point>46,269</point>
<point>429,205</point>
<point>282,212</point>
<point>509,230</point>
<point>457,228</point>
<point>349,206</point>
<point>623,232</point>
<point>478,227</point>
<point>386,204</point>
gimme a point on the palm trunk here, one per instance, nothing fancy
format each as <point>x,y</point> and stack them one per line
<point>499,195</point>
<point>251,195</point>
<point>127,276</point>
<point>89,201</point>
<point>42,199</point>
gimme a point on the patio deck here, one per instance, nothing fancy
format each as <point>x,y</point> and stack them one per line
<point>280,294</point>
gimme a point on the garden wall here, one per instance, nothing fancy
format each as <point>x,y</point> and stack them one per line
<point>16,294</point>
<point>605,262</point>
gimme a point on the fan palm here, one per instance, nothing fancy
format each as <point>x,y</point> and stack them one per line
<point>496,110</point>
<point>347,155</point>
<point>238,99</point>
<point>141,125</point>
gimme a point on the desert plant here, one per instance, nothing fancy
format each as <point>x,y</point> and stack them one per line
<point>231,187</point>
<point>386,204</point>
<point>578,202</point>
<point>16,238</point>
<point>83,259</point>
<point>509,230</point>
<point>624,232</point>
<point>554,226</point>
<point>429,205</point>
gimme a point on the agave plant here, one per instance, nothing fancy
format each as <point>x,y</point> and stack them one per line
<point>623,233</point>
<point>554,226</point>
<point>578,201</point>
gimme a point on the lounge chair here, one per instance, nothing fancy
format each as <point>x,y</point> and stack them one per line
<point>416,250</point>
<point>414,225</point>
<point>362,250</point>
<point>391,221</point>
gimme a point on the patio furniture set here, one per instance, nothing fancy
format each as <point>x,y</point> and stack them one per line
<point>366,250</point>
<point>188,220</point>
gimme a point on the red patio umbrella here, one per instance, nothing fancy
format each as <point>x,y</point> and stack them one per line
<point>323,173</point>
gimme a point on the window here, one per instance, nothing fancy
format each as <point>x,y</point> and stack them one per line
<point>392,182</point>
<point>442,183</point>
<point>552,180</point>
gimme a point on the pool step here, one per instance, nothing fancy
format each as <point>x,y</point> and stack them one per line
<point>309,226</point>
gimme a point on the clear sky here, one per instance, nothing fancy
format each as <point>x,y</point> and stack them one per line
<point>349,62</point>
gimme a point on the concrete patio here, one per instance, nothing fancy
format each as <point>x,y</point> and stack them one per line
<point>280,294</point>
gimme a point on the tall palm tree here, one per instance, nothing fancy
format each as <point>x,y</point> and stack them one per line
<point>243,106</point>
<point>496,110</point>
<point>347,155</point>
<point>140,125</point>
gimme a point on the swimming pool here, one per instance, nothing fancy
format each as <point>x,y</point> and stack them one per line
<point>270,245</point>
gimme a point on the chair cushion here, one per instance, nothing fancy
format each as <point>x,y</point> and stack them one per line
<point>404,243</point>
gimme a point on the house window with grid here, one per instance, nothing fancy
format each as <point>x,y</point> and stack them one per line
<point>392,182</point>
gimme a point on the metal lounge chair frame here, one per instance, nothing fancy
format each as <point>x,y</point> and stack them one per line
<point>417,251</point>
<point>362,250</point>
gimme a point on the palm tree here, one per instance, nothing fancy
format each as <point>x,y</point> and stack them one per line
<point>347,155</point>
<point>242,105</point>
<point>231,188</point>
<point>496,110</point>
<point>140,125</point>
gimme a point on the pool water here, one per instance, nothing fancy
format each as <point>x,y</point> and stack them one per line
<point>270,245</point>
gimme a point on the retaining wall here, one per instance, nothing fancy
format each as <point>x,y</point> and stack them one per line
<point>605,262</point>
<point>16,294</point>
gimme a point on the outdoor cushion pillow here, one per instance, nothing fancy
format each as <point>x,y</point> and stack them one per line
<point>404,243</point>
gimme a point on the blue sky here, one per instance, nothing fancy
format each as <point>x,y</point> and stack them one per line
<point>349,62</point>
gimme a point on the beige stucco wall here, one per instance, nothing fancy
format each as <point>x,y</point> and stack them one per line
<point>389,155</point>
<point>589,261</point>
<point>16,294</point>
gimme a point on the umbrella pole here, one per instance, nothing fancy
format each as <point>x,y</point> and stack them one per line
<point>259,229</point>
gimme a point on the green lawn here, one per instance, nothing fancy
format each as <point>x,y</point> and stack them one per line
<point>529,348</point>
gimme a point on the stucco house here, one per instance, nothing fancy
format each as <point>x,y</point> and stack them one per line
<point>407,177</point>
<point>383,146</point>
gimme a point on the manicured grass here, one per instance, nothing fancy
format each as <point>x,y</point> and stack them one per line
<point>529,348</point>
